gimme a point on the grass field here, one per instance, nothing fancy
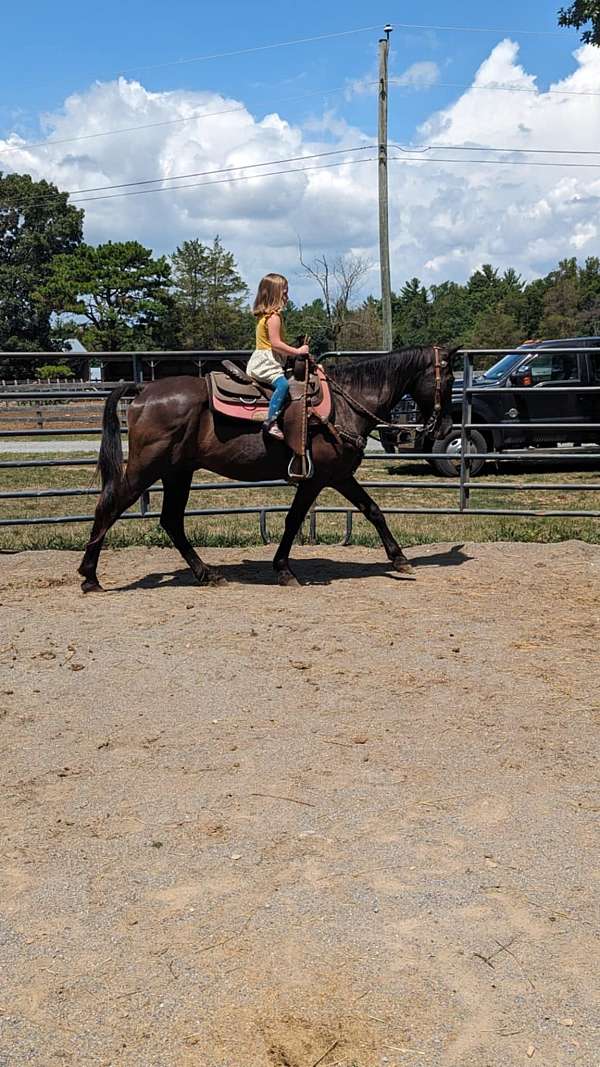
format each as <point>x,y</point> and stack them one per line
<point>229,530</point>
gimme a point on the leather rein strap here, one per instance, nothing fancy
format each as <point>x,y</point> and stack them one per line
<point>437,403</point>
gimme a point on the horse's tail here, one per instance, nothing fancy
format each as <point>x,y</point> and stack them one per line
<point>110,457</point>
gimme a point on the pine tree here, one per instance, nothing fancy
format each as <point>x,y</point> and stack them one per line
<point>210,295</point>
<point>118,291</point>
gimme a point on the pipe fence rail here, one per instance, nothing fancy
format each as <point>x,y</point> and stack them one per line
<point>20,394</point>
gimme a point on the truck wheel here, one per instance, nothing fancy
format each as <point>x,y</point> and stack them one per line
<point>389,440</point>
<point>449,448</point>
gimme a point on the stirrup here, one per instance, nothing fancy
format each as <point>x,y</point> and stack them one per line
<point>306,468</point>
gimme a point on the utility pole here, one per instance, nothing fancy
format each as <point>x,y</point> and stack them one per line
<point>384,235</point>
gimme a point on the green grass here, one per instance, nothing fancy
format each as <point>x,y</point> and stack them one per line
<point>243,530</point>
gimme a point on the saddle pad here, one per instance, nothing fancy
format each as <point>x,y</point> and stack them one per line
<point>238,400</point>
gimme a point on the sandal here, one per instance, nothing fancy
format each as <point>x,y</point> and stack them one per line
<point>273,430</point>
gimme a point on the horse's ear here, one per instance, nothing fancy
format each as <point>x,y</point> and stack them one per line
<point>452,352</point>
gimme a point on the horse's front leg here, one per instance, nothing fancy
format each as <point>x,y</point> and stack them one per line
<point>306,494</point>
<point>358,496</point>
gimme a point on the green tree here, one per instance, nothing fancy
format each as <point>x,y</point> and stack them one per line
<point>484,288</point>
<point>211,297</point>
<point>363,329</point>
<point>451,316</point>
<point>589,297</point>
<point>579,14</point>
<point>532,308</point>
<point>36,224</point>
<point>411,313</point>
<point>561,302</point>
<point>494,328</point>
<point>54,370</point>
<point>119,291</point>
<point>310,320</point>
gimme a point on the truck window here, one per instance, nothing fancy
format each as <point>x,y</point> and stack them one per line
<point>554,367</point>
<point>595,367</point>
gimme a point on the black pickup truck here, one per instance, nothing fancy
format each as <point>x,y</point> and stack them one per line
<point>522,368</point>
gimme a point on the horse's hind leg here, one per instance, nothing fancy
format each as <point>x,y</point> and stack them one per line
<point>358,496</point>
<point>109,508</point>
<point>176,493</point>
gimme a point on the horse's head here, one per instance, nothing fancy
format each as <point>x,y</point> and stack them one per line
<point>433,391</point>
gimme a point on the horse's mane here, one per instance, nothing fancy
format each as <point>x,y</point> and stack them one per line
<point>377,370</point>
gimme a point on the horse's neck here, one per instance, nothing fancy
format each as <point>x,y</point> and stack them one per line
<point>392,391</point>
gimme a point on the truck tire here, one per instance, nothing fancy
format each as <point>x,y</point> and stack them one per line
<point>450,446</point>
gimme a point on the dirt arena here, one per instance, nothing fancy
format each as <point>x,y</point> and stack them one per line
<point>351,824</point>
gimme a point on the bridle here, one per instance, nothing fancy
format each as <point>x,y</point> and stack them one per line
<point>432,423</point>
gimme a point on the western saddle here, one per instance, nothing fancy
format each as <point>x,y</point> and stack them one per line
<point>234,395</point>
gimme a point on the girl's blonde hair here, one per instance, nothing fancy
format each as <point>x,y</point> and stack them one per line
<point>269,298</point>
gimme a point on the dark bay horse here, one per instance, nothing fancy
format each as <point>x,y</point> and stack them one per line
<point>172,433</point>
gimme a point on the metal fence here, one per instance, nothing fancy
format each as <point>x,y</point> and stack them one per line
<point>462,484</point>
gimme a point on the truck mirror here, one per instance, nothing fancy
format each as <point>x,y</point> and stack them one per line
<point>522,377</point>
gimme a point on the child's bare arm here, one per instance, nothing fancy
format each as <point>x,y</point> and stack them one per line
<point>274,331</point>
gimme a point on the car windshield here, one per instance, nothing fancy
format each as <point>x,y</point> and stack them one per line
<point>502,367</point>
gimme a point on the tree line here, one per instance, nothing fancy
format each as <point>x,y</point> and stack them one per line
<point>118,296</point>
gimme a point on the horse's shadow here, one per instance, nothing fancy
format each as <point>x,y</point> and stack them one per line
<point>310,571</point>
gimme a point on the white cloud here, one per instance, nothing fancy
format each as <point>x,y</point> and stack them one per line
<point>445,219</point>
<point>419,75</point>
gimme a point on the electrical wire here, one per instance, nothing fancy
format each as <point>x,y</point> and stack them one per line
<point>324,166</point>
<point>330,36</point>
<point>495,162</point>
<point>194,116</point>
<point>513,89</point>
<point>222,170</point>
<point>107,194</point>
<point>224,181</point>
<point>488,148</point>
<point>318,155</point>
<point>254,48</point>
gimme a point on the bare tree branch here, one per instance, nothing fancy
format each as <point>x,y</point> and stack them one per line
<point>339,283</point>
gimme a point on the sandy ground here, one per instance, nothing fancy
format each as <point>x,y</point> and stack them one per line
<point>348,824</point>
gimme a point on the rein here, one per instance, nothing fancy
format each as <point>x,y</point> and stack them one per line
<point>363,410</point>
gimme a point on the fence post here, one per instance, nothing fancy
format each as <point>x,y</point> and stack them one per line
<point>138,378</point>
<point>312,525</point>
<point>465,434</point>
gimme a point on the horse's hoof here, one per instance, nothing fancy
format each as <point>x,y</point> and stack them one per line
<point>288,579</point>
<point>403,566</point>
<point>214,577</point>
<point>91,585</point>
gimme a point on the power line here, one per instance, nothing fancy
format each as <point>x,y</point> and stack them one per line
<point>488,148</point>
<point>200,115</point>
<point>330,36</point>
<point>194,116</point>
<point>517,89</point>
<point>495,162</point>
<point>331,152</point>
<point>478,29</point>
<point>221,170</point>
<point>324,166</point>
<point>254,48</point>
<point>223,181</point>
<point>405,157</point>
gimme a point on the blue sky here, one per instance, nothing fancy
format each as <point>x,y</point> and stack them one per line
<point>485,85</point>
<point>58,49</point>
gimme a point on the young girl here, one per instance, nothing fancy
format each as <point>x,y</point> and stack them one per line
<point>266,362</point>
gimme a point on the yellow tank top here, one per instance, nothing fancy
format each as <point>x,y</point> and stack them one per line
<point>262,333</point>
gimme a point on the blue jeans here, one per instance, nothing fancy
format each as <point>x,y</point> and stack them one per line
<point>280,392</point>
